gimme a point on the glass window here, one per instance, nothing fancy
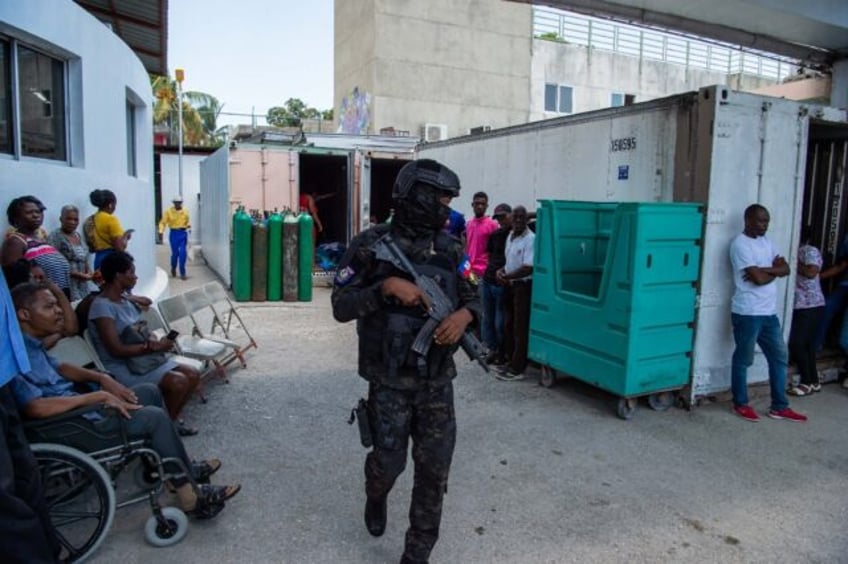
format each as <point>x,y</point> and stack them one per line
<point>41,91</point>
<point>131,163</point>
<point>6,139</point>
<point>550,97</point>
<point>616,99</point>
<point>565,105</point>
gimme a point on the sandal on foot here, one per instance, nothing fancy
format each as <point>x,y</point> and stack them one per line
<point>210,500</point>
<point>184,430</point>
<point>201,471</point>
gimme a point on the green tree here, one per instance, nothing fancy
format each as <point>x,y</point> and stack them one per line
<point>292,113</point>
<point>200,113</point>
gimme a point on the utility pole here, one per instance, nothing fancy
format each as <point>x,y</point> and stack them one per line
<point>180,76</point>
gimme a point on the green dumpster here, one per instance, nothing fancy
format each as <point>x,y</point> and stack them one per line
<point>613,300</point>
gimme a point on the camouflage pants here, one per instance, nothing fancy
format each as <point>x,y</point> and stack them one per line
<point>426,415</point>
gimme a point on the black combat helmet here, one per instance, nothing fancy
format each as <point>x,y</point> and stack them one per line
<point>416,192</point>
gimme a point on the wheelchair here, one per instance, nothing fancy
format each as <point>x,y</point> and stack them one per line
<point>79,470</point>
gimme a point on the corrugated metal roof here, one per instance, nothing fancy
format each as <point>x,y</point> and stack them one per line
<point>142,24</point>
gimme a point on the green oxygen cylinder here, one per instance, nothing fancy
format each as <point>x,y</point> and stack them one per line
<point>240,264</point>
<point>306,256</point>
<point>259,262</point>
<point>275,257</point>
<point>290,251</point>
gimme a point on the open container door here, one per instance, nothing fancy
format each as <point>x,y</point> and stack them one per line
<point>751,149</point>
<point>360,199</point>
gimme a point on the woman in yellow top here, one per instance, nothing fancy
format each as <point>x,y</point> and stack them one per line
<point>108,235</point>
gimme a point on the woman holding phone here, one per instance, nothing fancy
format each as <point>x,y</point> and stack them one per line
<point>105,230</point>
<point>113,317</point>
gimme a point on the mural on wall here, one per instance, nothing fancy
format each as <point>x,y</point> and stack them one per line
<point>355,112</point>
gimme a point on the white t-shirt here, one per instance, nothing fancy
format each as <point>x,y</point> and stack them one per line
<point>749,298</point>
<point>519,252</point>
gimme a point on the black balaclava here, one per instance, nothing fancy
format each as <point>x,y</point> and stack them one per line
<point>417,191</point>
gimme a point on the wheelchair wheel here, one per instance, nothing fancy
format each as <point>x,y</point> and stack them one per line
<point>167,530</point>
<point>79,496</point>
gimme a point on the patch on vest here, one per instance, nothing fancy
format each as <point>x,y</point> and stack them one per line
<point>344,276</point>
<point>464,268</point>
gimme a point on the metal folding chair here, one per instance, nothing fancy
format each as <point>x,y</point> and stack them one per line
<point>200,310</point>
<point>175,315</point>
<point>225,312</point>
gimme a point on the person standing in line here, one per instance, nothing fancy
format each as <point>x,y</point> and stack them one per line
<point>492,291</point>
<point>26,534</point>
<point>103,229</point>
<point>409,396</point>
<point>455,224</point>
<point>176,219</point>
<point>836,301</point>
<point>477,232</point>
<point>756,266</point>
<point>809,309</point>
<point>517,277</point>
<point>68,241</point>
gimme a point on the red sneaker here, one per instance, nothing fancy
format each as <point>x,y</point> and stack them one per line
<point>746,412</point>
<point>787,414</point>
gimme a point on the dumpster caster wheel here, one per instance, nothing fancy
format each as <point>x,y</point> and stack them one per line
<point>661,401</point>
<point>626,408</point>
<point>548,377</point>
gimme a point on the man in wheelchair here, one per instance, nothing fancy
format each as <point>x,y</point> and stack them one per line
<point>50,389</point>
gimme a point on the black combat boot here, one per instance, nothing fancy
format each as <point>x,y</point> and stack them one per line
<point>375,516</point>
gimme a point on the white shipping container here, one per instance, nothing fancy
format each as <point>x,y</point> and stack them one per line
<point>721,148</point>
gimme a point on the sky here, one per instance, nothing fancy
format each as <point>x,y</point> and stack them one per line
<point>253,54</point>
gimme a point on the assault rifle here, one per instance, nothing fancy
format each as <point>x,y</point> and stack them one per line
<point>440,305</point>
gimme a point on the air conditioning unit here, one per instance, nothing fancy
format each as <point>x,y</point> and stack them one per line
<point>431,132</point>
<point>479,129</point>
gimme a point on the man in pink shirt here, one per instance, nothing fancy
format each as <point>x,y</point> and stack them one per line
<point>477,231</point>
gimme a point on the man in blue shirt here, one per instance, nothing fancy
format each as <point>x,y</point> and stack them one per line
<point>26,533</point>
<point>47,389</point>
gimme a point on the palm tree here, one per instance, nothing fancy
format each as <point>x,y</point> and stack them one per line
<point>200,113</point>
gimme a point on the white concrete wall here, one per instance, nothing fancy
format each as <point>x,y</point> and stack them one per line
<point>103,72</point>
<point>170,185</point>
<point>595,74</point>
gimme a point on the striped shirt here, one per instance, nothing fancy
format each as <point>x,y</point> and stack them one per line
<point>51,261</point>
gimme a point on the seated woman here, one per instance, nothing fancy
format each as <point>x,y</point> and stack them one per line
<point>109,318</point>
<point>28,240</point>
<point>47,390</point>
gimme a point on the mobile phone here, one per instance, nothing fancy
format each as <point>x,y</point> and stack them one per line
<point>172,335</point>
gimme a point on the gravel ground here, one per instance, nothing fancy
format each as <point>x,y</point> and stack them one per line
<point>539,475</point>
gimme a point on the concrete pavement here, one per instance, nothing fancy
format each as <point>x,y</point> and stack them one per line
<point>539,475</point>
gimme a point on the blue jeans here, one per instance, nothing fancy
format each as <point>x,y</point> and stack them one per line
<point>763,330</point>
<point>178,239</point>
<point>493,315</point>
<point>100,255</point>
<point>833,307</point>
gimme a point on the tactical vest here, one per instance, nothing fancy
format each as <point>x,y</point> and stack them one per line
<point>386,337</point>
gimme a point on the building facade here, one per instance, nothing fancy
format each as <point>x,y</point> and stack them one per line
<point>447,68</point>
<point>75,115</point>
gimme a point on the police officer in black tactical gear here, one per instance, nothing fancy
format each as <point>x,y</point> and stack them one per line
<point>408,396</point>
